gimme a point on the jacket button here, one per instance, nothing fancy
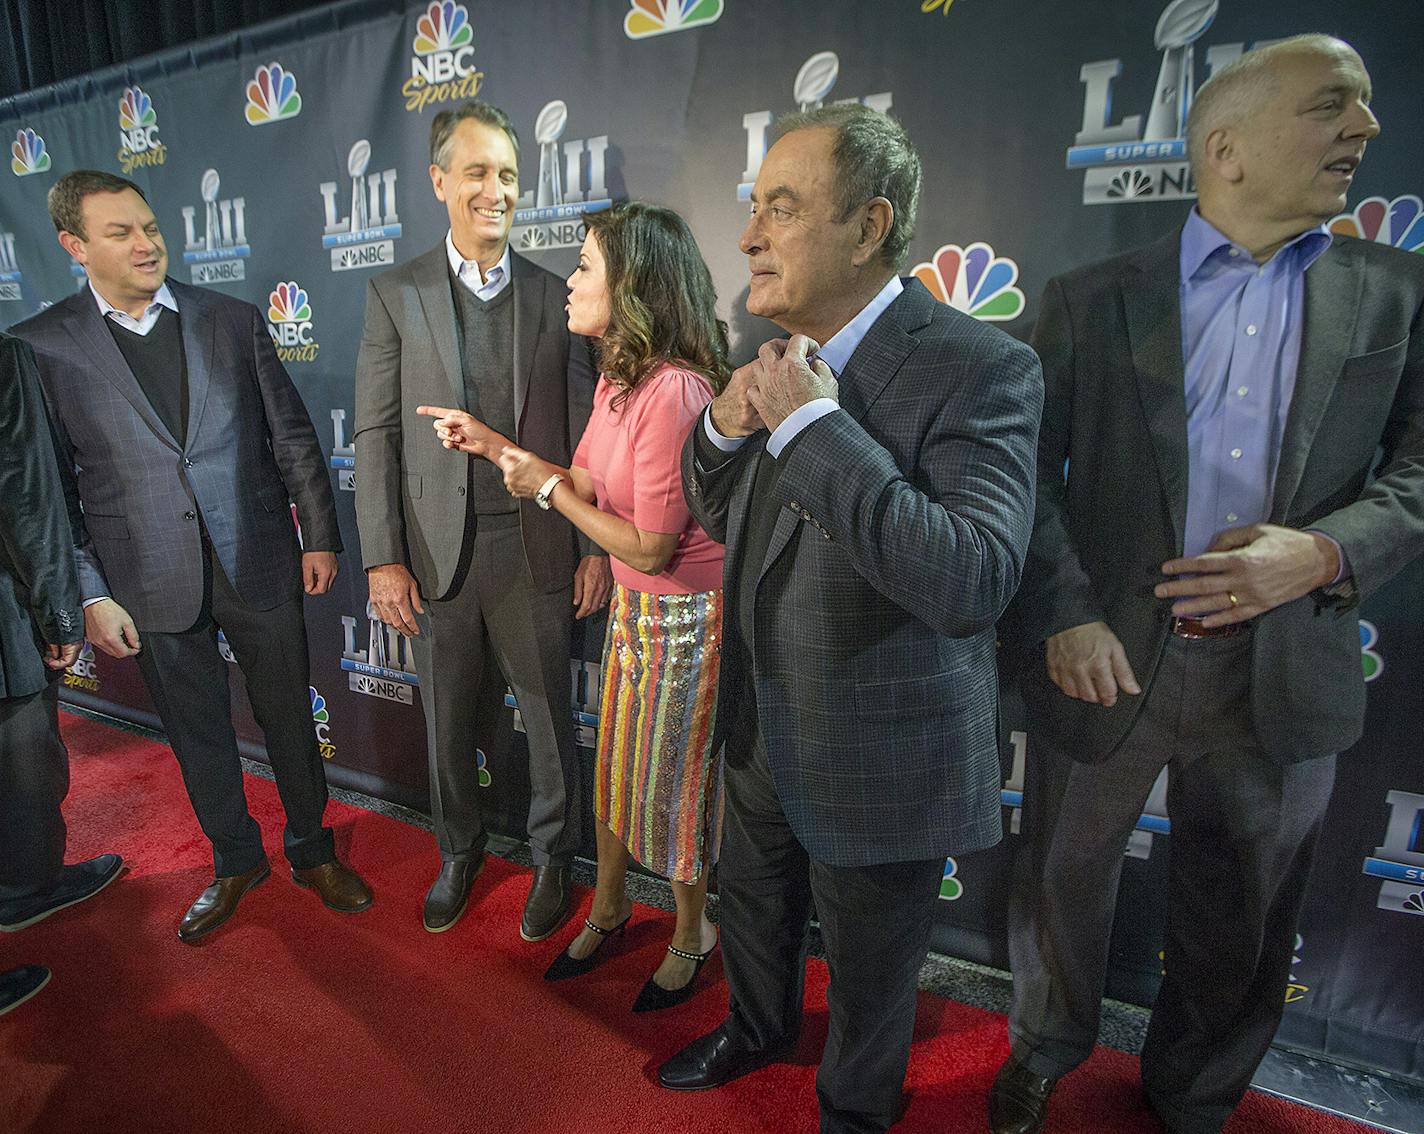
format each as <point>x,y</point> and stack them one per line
<point>190,515</point>
<point>187,462</point>
<point>460,491</point>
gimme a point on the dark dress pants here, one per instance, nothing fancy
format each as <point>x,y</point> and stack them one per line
<point>34,779</point>
<point>875,924</point>
<point>188,681</point>
<point>496,614</point>
<point>1243,833</point>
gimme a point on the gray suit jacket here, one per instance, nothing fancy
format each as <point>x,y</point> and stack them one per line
<point>1351,466</point>
<point>902,523</point>
<point>39,594</point>
<point>411,496</point>
<point>250,450</point>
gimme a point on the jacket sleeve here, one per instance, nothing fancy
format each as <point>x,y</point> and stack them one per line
<point>380,515</point>
<point>709,476</point>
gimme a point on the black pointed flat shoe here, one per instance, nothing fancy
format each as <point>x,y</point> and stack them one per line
<point>654,997</point>
<point>565,966</point>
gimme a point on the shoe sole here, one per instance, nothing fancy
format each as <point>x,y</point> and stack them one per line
<point>261,878</point>
<point>461,911</point>
<point>553,929</point>
<point>16,926</point>
<point>328,905</point>
<point>28,996</point>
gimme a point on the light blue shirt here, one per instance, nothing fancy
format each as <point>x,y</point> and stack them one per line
<point>162,298</point>
<point>836,354</point>
<point>485,285</point>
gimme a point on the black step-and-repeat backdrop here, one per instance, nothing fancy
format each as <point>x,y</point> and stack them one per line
<point>289,164</point>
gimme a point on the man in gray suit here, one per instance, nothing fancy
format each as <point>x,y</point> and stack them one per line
<point>1221,398</point>
<point>41,629</point>
<point>473,577</point>
<point>876,504</point>
<point>189,440</point>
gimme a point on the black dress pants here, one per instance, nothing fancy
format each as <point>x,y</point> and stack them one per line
<point>34,779</point>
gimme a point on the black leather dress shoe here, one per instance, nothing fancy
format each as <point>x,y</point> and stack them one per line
<point>18,985</point>
<point>716,1058</point>
<point>448,895</point>
<point>1018,1099</point>
<point>549,901</point>
<point>219,902</point>
<point>77,882</point>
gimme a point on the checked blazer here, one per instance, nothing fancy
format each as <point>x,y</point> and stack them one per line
<point>250,450</point>
<point>902,523</point>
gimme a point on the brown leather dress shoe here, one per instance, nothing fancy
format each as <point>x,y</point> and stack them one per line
<point>1018,1100</point>
<point>339,887</point>
<point>219,901</point>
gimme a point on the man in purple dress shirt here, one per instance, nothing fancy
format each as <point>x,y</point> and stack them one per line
<point>1220,398</point>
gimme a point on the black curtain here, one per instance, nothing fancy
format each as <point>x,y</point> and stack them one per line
<point>46,41</point>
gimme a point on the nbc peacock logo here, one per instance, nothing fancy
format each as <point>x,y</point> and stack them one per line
<point>139,144</point>
<point>27,153</point>
<point>272,96</point>
<point>951,889</point>
<point>1398,223</point>
<point>973,280</point>
<point>321,721</point>
<point>1370,658</point>
<point>442,68</point>
<point>482,768</point>
<point>83,674</point>
<point>658,17</point>
<point>289,322</point>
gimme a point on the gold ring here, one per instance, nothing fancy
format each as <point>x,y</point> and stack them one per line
<point>1235,602</point>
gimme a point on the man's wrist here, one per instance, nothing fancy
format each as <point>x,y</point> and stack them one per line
<point>1331,560</point>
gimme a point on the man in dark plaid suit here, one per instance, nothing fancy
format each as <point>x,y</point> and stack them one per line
<point>876,496</point>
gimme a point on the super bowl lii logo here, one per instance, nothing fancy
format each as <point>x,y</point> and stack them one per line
<point>384,667</point>
<point>343,452</point>
<point>570,185</point>
<point>1132,161</point>
<point>321,721</point>
<point>973,280</point>
<point>588,683</point>
<point>289,322</point>
<point>813,83</point>
<point>217,251</point>
<point>1398,223</point>
<point>442,68</point>
<point>28,154</point>
<point>10,277</point>
<point>139,144</point>
<point>272,96</point>
<point>365,236</point>
<point>1399,861</point>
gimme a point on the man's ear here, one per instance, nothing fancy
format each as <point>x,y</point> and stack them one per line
<point>73,245</point>
<point>1222,152</point>
<point>876,217</point>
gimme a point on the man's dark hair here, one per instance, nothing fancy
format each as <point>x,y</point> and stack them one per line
<point>66,196</point>
<point>874,158</point>
<point>442,129</point>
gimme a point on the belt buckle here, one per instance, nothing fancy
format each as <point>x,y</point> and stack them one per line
<point>1193,630</point>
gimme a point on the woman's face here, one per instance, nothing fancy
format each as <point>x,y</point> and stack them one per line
<point>588,307</point>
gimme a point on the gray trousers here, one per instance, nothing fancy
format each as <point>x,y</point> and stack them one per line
<point>1243,833</point>
<point>34,779</point>
<point>497,615</point>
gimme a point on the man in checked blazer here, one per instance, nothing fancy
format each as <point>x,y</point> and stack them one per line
<point>476,579</point>
<point>188,441</point>
<point>1241,407</point>
<point>876,504</point>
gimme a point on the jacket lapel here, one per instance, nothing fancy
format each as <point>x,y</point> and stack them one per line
<point>431,274</point>
<point>528,299</point>
<point>1152,306</point>
<point>86,325</point>
<point>195,317</point>
<point>1332,299</point>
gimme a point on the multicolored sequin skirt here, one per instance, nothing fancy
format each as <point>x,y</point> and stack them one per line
<point>659,784</point>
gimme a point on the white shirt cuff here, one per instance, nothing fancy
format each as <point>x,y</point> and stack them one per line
<point>91,601</point>
<point>726,444</point>
<point>800,418</point>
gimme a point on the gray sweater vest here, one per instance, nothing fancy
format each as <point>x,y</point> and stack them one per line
<point>487,357</point>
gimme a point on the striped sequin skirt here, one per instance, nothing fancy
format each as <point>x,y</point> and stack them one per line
<point>659,784</point>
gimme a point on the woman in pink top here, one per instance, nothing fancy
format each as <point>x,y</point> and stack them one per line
<point>643,291</point>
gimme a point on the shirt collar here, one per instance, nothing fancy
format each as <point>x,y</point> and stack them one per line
<point>836,353</point>
<point>163,297</point>
<point>458,262</point>
<point>1203,241</point>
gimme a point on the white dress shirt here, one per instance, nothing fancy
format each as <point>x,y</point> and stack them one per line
<point>485,286</point>
<point>144,323</point>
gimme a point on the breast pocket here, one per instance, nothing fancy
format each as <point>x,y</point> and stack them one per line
<point>1389,360</point>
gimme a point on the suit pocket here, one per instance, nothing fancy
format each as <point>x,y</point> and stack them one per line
<point>1391,358</point>
<point>413,484</point>
<point>106,527</point>
<point>273,498</point>
<point>934,694</point>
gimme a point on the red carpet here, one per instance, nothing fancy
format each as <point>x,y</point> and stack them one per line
<point>294,1018</point>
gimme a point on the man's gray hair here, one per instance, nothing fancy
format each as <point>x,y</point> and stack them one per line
<point>442,130</point>
<point>1233,94</point>
<point>874,158</point>
<point>66,196</point>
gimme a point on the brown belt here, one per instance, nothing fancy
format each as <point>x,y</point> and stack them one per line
<point>1193,628</point>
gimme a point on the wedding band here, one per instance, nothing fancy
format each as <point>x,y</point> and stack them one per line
<point>1235,602</point>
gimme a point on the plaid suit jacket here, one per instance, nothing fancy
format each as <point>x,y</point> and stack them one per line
<point>902,524</point>
<point>250,452</point>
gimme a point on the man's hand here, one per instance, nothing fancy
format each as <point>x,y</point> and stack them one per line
<point>1259,566</point>
<point>1089,664</point>
<point>318,571</point>
<point>787,381</point>
<point>395,597</point>
<point>458,430</point>
<point>61,657</point>
<point>732,414</point>
<point>593,582</point>
<point>109,627</point>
